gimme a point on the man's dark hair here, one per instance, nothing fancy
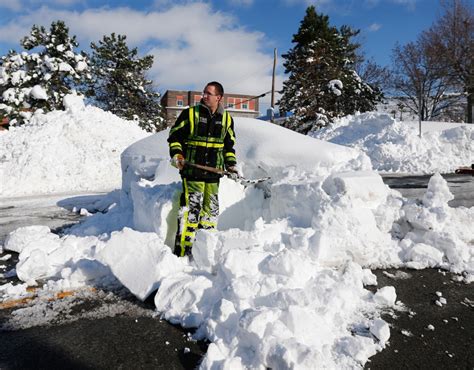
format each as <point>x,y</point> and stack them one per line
<point>217,86</point>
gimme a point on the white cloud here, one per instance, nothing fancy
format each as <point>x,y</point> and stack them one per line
<point>374,27</point>
<point>240,2</point>
<point>162,4</point>
<point>410,4</point>
<point>56,2</point>
<point>17,5</point>
<point>317,3</point>
<point>192,43</point>
<point>63,2</point>
<point>14,5</point>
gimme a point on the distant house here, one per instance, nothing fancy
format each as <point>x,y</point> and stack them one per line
<point>238,105</point>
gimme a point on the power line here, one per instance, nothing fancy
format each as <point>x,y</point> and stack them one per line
<point>255,97</point>
<point>247,77</point>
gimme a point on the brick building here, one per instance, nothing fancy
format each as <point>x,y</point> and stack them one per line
<point>238,105</point>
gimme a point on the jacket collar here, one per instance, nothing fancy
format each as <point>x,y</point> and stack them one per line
<point>220,108</point>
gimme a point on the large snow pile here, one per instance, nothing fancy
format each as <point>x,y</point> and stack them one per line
<point>65,151</point>
<point>282,283</point>
<point>395,146</point>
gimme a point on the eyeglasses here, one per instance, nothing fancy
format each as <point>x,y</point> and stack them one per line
<point>205,93</point>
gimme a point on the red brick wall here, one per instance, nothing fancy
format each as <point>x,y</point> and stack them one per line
<point>193,97</point>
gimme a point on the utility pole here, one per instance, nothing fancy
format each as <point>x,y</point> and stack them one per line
<point>272,118</point>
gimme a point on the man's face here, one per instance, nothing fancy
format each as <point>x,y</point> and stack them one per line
<point>210,96</point>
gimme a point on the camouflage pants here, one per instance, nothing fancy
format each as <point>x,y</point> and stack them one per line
<point>199,209</point>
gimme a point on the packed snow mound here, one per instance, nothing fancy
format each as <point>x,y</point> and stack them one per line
<point>65,151</point>
<point>150,183</point>
<point>395,146</point>
<point>262,149</point>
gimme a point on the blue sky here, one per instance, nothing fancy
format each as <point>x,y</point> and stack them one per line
<point>229,40</point>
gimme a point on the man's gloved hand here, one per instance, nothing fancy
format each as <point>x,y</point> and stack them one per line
<point>233,173</point>
<point>178,161</point>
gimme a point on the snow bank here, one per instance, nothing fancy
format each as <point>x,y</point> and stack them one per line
<point>282,282</point>
<point>65,151</point>
<point>262,149</point>
<point>293,161</point>
<point>435,235</point>
<point>394,146</point>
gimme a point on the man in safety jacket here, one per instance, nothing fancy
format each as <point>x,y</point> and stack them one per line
<point>203,134</point>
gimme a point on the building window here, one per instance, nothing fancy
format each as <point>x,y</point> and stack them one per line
<point>197,99</point>
<point>245,105</point>
<point>179,101</point>
<point>237,103</point>
<point>230,102</point>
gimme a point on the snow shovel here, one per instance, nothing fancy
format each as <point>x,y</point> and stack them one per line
<point>259,183</point>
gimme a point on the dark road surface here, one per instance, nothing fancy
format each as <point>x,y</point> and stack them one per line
<point>109,343</point>
<point>131,338</point>
<point>412,345</point>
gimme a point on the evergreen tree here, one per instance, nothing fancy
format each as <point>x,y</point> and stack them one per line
<point>119,84</point>
<point>40,79</point>
<point>322,83</point>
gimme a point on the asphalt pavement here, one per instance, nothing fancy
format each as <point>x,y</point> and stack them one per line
<point>424,335</point>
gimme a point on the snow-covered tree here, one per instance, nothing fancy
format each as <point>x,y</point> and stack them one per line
<point>40,76</point>
<point>119,84</point>
<point>323,83</point>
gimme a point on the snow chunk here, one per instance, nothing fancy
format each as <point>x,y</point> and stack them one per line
<point>12,291</point>
<point>39,93</point>
<point>437,235</point>
<point>381,330</point>
<point>422,255</point>
<point>359,348</point>
<point>365,186</point>
<point>386,296</point>
<point>204,250</point>
<point>186,298</point>
<point>438,193</point>
<point>23,237</point>
<point>149,255</point>
<point>73,103</point>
